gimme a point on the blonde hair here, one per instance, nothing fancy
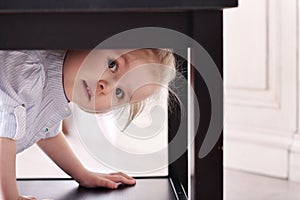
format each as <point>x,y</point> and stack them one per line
<point>166,74</point>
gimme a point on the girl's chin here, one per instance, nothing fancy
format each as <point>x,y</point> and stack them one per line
<point>89,110</point>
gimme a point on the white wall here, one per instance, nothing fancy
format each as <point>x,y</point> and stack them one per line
<point>261,87</point>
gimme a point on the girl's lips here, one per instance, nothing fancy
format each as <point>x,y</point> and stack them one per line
<point>86,90</point>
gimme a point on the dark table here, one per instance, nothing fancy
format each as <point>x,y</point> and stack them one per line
<point>82,24</point>
<point>146,189</point>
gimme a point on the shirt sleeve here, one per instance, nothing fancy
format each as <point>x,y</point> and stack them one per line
<point>8,125</point>
<point>54,131</point>
<point>21,75</point>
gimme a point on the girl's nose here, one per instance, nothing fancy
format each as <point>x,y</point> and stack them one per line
<point>104,87</point>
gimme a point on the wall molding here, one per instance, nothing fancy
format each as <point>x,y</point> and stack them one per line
<point>267,95</point>
<point>264,137</point>
<point>262,123</point>
<point>275,107</point>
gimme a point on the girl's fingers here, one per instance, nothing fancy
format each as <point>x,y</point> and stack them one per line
<point>111,181</point>
<point>104,182</point>
<point>120,178</point>
<point>122,174</point>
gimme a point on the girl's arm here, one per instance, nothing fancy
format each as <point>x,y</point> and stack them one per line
<point>60,152</point>
<point>8,184</point>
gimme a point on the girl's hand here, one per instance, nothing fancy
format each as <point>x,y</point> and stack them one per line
<point>67,161</point>
<point>26,198</point>
<point>93,180</point>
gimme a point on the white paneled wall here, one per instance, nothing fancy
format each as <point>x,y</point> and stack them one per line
<point>261,87</point>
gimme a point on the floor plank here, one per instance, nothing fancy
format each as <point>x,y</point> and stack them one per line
<point>240,185</point>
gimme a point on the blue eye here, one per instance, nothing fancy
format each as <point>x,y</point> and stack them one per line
<point>119,93</point>
<point>112,65</point>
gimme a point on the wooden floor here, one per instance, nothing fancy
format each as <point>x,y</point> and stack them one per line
<point>246,186</point>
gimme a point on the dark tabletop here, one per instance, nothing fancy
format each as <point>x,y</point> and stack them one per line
<point>7,6</point>
<point>149,188</point>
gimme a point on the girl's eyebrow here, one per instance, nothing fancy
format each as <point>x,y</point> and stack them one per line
<point>123,56</point>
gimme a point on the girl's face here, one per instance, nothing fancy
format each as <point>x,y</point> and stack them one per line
<point>111,78</point>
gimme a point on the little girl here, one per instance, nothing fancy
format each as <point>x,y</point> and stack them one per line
<point>36,87</point>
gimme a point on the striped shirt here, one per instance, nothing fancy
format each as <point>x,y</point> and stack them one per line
<point>32,99</point>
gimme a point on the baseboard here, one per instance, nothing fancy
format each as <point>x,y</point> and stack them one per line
<point>258,152</point>
<point>294,172</point>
